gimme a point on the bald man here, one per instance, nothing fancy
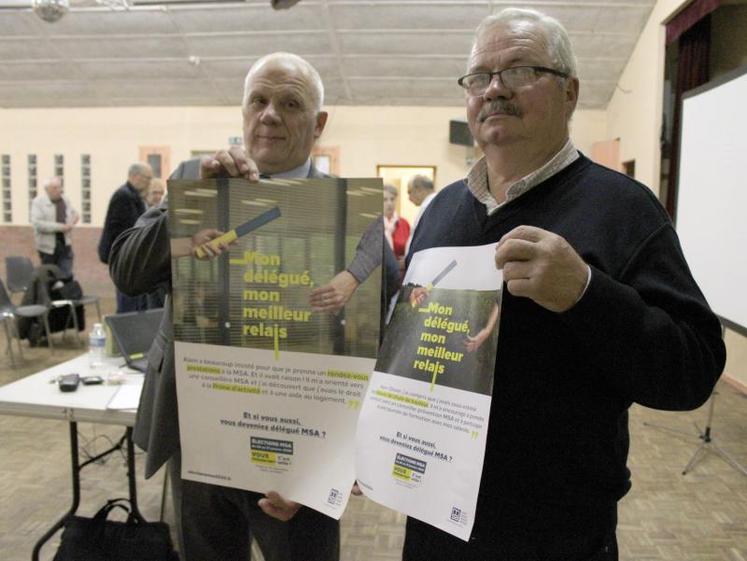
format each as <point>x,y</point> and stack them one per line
<point>282,118</point>
<point>125,207</point>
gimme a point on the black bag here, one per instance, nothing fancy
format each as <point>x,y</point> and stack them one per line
<point>99,539</point>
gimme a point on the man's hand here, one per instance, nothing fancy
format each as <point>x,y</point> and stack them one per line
<point>334,295</point>
<point>471,344</point>
<point>229,163</point>
<point>276,506</point>
<point>543,266</point>
<point>183,247</point>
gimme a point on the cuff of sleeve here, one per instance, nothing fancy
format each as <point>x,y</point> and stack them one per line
<point>586,287</point>
<point>358,280</point>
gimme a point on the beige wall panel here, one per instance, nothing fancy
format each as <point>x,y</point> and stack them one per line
<point>365,136</point>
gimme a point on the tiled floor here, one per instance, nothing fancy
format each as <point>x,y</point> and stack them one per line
<point>666,517</point>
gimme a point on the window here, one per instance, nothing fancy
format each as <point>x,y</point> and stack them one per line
<point>59,167</point>
<point>6,189</point>
<point>33,178</point>
<point>158,158</point>
<point>85,187</point>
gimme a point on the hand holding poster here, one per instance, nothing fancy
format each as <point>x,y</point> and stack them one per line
<point>422,430</point>
<point>268,389</point>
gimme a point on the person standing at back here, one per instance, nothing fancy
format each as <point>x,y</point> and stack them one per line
<point>53,218</point>
<point>125,207</point>
<point>396,228</point>
<point>421,192</point>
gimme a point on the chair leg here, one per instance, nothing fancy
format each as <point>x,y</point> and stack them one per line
<point>74,314</point>
<point>49,332</point>
<point>98,310</point>
<point>15,333</point>
<point>8,338</point>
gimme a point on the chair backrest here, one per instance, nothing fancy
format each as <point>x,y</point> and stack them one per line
<point>19,270</point>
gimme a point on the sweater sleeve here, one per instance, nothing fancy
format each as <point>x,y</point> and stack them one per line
<point>140,257</point>
<point>650,331</point>
<point>368,253</point>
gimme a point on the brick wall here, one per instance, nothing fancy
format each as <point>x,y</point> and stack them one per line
<point>88,270</point>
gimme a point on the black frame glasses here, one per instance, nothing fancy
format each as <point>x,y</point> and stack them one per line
<point>511,78</point>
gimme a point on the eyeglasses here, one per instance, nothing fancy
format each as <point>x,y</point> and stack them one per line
<point>476,83</point>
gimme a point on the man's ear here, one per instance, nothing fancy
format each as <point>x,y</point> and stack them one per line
<point>571,95</point>
<point>321,121</point>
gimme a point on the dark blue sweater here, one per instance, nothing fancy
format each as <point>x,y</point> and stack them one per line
<point>558,436</point>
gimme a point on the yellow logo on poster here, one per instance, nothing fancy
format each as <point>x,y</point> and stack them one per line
<point>402,473</point>
<point>264,458</point>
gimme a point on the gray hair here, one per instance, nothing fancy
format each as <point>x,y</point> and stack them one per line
<point>138,168</point>
<point>421,182</point>
<point>50,180</point>
<point>558,42</point>
<point>302,64</point>
<point>389,188</point>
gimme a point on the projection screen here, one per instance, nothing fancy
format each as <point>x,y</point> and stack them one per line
<point>712,195</point>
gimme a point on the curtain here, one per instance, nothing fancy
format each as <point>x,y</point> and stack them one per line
<point>692,71</point>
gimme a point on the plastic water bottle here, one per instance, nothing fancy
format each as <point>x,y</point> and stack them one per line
<point>96,346</point>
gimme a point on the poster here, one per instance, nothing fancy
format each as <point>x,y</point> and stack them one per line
<point>421,436</point>
<point>268,389</point>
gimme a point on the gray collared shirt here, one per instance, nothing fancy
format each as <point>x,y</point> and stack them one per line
<point>477,178</point>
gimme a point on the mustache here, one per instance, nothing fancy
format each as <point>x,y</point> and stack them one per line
<point>498,106</point>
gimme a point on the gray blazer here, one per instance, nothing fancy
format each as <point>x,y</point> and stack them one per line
<point>140,262</point>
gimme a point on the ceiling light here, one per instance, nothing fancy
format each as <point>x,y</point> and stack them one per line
<point>50,10</point>
<point>283,4</point>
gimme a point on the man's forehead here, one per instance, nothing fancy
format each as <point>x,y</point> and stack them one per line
<point>280,76</point>
<point>516,39</point>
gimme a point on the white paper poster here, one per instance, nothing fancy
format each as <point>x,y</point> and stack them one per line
<point>264,424</point>
<point>421,436</point>
<point>269,388</point>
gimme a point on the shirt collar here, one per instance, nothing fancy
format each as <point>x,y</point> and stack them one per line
<point>477,177</point>
<point>295,173</point>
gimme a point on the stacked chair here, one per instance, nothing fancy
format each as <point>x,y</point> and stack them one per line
<point>39,300</point>
<point>11,314</point>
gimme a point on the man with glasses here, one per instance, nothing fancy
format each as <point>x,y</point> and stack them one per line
<point>599,309</point>
<point>125,207</point>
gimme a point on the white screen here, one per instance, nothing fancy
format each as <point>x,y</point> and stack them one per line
<point>712,197</point>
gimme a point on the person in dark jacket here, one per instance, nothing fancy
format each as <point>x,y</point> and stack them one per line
<point>599,308</point>
<point>125,207</point>
<point>282,119</point>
